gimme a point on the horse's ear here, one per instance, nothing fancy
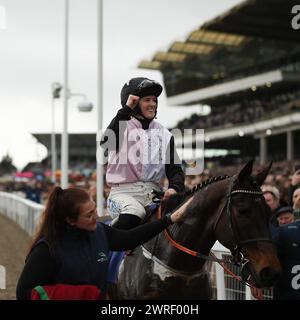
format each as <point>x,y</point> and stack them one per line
<point>246,171</point>
<point>261,176</point>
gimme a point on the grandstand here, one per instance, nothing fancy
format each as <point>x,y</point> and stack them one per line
<point>82,150</point>
<point>244,64</point>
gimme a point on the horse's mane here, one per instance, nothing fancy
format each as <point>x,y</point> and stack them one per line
<point>205,184</point>
<point>177,199</point>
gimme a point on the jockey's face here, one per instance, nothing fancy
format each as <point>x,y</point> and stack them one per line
<point>148,106</point>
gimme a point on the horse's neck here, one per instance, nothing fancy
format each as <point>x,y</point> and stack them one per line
<point>205,210</point>
<point>196,232</point>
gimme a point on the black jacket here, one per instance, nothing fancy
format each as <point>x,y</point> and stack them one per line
<point>42,268</point>
<point>287,240</point>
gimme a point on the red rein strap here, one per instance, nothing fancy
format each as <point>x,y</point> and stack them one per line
<point>173,242</point>
<point>192,252</point>
<point>228,271</point>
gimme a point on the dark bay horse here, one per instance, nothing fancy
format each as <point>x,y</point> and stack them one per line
<point>231,210</point>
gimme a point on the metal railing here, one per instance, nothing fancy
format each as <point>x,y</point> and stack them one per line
<point>24,212</point>
<point>224,286</point>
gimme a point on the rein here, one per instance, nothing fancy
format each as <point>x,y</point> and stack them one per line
<point>183,248</point>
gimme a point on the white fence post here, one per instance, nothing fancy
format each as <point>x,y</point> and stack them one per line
<point>2,278</point>
<point>248,294</point>
<point>220,278</point>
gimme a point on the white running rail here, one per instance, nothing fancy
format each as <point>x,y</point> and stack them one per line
<point>24,212</point>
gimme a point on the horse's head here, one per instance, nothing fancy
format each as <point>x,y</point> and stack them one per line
<point>243,227</point>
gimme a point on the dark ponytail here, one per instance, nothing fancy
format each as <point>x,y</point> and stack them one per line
<point>61,204</point>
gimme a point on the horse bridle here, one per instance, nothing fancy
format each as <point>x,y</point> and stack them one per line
<point>237,256</point>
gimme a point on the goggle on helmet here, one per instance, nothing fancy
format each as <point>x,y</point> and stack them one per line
<point>141,87</point>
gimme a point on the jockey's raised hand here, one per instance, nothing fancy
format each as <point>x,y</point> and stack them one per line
<point>132,101</point>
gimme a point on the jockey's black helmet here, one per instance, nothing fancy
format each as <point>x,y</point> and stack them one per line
<point>141,87</point>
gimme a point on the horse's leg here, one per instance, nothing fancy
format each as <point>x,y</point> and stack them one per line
<point>182,287</point>
<point>135,277</point>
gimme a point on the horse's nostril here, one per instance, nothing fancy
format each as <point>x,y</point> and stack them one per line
<point>269,275</point>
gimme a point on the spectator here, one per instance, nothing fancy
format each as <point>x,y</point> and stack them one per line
<point>284,215</point>
<point>295,183</point>
<point>286,237</point>
<point>34,191</point>
<point>287,240</point>
<point>296,203</point>
<point>272,197</point>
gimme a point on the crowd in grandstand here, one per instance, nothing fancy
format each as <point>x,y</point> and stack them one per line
<point>245,111</point>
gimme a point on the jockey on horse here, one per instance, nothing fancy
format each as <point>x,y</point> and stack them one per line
<point>141,153</point>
